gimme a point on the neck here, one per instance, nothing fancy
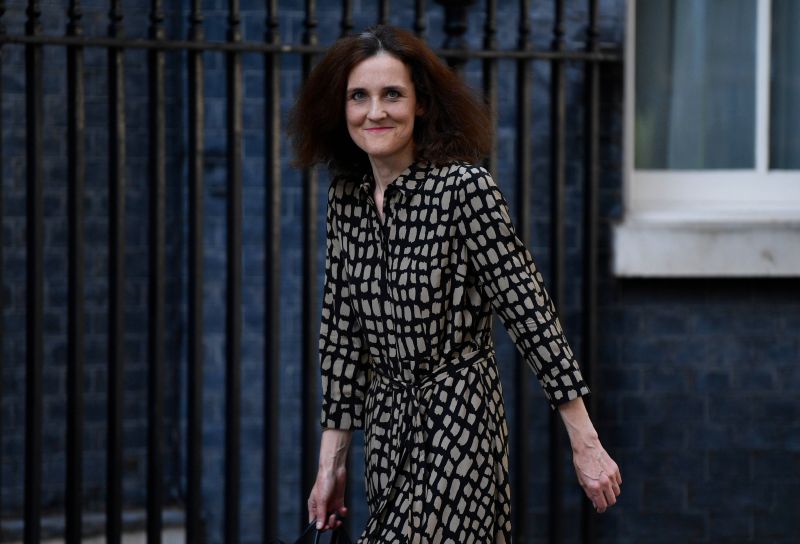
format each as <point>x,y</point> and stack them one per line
<point>386,171</point>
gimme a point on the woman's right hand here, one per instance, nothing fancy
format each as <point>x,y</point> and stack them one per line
<point>327,498</point>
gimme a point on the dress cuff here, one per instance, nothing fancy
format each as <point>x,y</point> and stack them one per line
<point>344,416</point>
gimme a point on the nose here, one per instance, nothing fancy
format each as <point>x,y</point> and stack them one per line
<point>376,111</point>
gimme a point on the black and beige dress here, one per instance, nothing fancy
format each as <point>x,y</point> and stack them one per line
<point>406,350</point>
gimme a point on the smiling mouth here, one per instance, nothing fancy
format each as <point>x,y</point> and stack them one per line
<point>377,129</point>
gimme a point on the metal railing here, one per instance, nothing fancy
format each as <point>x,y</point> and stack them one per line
<point>272,49</point>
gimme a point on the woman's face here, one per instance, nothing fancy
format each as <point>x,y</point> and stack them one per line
<point>380,108</point>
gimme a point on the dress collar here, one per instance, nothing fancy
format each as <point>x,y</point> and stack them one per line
<point>408,180</point>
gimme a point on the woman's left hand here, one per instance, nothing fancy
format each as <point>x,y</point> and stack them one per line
<point>598,474</point>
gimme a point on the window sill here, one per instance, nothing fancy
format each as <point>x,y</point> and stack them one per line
<point>675,245</point>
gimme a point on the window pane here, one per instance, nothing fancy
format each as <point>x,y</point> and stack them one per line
<point>695,84</point>
<point>785,90</point>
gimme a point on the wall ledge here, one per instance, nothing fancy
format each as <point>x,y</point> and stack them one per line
<point>674,246</point>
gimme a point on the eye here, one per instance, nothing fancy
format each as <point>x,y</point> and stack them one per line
<point>392,93</point>
<point>357,95</point>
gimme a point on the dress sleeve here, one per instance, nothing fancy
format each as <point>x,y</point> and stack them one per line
<point>508,276</point>
<point>342,353</point>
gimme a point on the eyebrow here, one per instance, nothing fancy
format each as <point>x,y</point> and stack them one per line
<point>387,88</point>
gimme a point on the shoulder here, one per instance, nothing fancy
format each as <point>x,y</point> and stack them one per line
<point>458,170</point>
<point>463,178</point>
<point>342,191</point>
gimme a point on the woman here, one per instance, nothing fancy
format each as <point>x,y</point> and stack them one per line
<point>420,249</point>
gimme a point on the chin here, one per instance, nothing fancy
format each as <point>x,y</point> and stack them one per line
<point>379,153</point>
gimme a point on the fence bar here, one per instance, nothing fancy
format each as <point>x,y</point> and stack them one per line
<point>116,280</point>
<point>420,26</point>
<point>34,283</point>
<point>261,47</point>
<point>76,173</point>
<point>272,290</point>
<point>347,18</point>
<point>310,371</point>
<point>520,454</point>
<point>490,76</point>
<point>194,427</point>
<point>233,321</point>
<point>557,250</point>
<point>156,320</point>
<point>2,288</point>
<point>455,26</point>
<point>383,12</point>
<point>591,169</point>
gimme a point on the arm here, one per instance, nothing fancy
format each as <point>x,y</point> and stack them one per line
<point>328,493</point>
<point>342,352</point>
<point>509,277</point>
<point>597,472</point>
<point>510,280</point>
<point>343,371</point>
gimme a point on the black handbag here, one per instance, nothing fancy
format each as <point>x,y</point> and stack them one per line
<point>310,534</point>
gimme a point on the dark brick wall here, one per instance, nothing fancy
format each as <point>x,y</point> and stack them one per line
<point>698,379</point>
<point>700,399</point>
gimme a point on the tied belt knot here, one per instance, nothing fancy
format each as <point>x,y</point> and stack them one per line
<point>411,426</point>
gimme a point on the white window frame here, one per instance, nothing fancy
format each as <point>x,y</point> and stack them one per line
<point>685,223</point>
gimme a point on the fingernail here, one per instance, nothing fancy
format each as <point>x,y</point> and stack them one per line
<point>319,525</point>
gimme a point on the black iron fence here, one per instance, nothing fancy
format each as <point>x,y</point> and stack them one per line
<point>74,42</point>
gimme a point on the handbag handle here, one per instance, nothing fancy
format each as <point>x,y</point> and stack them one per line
<point>338,536</point>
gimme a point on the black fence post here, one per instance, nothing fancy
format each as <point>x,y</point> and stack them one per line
<point>490,76</point>
<point>520,455</point>
<point>420,24</point>
<point>2,285</point>
<point>383,12</point>
<point>35,274</point>
<point>272,287</point>
<point>156,285</point>
<point>310,355</point>
<point>346,24</point>
<point>194,424</point>
<point>233,297</point>
<point>591,169</point>
<point>557,258</point>
<point>76,172</point>
<point>116,272</point>
<point>455,26</point>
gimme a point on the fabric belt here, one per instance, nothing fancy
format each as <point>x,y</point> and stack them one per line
<point>414,434</point>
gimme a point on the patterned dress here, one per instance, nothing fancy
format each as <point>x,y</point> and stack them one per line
<point>406,351</point>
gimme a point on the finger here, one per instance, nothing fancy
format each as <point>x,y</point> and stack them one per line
<point>338,515</point>
<point>616,489</point>
<point>312,509</point>
<point>613,471</point>
<point>608,495</point>
<point>600,500</point>
<point>332,521</point>
<point>596,496</point>
<point>321,514</point>
<point>600,509</point>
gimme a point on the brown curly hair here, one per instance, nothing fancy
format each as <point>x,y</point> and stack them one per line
<point>455,125</point>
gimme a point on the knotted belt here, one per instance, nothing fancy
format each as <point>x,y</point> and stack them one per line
<point>411,394</point>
